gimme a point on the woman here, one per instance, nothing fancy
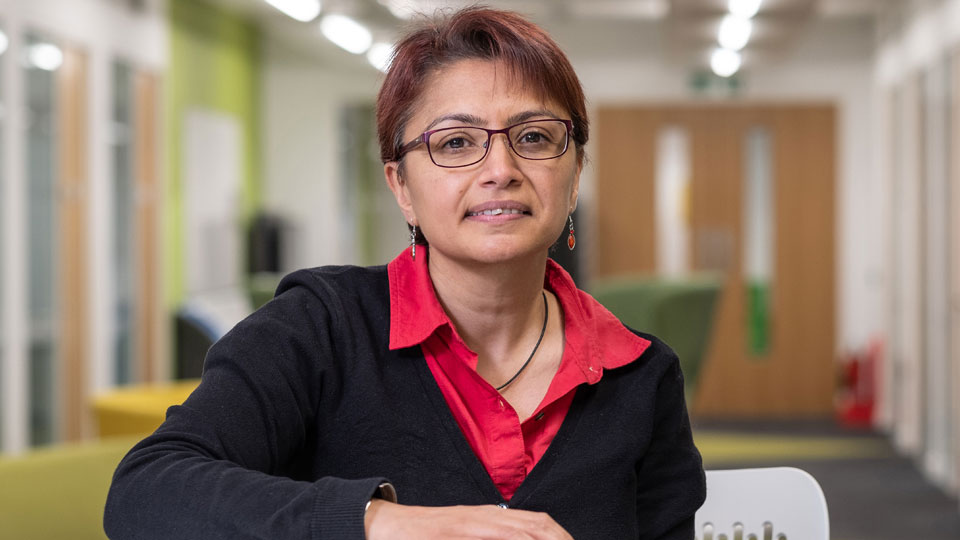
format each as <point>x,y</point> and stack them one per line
<point>467,389</point>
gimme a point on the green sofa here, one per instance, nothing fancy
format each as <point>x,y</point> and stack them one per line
<point>60,491</point>
<point>678,311</point>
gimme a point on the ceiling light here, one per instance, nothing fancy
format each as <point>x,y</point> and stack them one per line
<point>301,10</point>
<point>744,8</point>
<point>605,9</point>
<point>4,42</point>
<point>45,56</point>
<point>346,33</point>
<point>734,32</point>
<point>379,55</point>
<point>401,9</point>
<point>725,62</point>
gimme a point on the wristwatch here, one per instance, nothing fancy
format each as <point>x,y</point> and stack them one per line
<point>384,491</point>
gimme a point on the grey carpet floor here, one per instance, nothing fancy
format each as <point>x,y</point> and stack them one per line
<point>882,496</point>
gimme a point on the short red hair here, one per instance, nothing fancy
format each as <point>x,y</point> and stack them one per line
<point>476,33</point>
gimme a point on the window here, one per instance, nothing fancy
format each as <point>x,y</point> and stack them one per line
<point>40,75</point>
<point>758,235</point>
<point>123,224</point>
<point>672,206</point>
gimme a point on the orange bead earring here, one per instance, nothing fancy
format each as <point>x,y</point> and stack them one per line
<point>571,240</point>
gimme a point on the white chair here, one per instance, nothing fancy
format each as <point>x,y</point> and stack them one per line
<point>776,503</point>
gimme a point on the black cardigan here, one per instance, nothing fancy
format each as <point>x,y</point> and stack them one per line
<point>303,410</point>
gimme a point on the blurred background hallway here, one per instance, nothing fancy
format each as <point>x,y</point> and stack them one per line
<point>772,186</point>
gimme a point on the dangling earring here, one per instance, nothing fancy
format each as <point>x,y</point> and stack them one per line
<point>571,240</point>
<point>413,241</point>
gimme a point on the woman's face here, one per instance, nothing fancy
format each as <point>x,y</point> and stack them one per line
<point>445,203</point>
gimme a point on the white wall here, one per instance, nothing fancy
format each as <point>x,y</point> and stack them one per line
<point>954,242</point>
<point>936,272</point>
<point>105,30</point>
<point>302,100</point>
<point>913,61</point>
<point>906,318</point>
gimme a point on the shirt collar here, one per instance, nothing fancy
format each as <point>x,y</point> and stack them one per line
<point>415,311</point>
<point>595,338</point>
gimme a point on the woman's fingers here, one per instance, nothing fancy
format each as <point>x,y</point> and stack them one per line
<point>494,523</point>
<point>385,520</point>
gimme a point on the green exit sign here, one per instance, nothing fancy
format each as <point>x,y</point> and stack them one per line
<point>704,81</point>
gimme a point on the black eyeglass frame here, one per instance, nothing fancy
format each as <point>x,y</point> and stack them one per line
<point>424,138</point>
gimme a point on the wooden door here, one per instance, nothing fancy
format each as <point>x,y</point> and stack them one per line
<point>146,215</point>
<point>73,211</point>
<point>795,374</point>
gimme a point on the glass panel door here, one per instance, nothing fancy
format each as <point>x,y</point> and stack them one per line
<point>123,224</point>
<point>44,58</point>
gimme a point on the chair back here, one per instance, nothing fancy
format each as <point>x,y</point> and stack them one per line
<point>678,311</point>
<point>775,503</point>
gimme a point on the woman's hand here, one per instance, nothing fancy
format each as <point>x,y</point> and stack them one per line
<point>388,521</point>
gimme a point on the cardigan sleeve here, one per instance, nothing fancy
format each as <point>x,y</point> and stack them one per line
<point>671,482</point>
<point>218,466</point>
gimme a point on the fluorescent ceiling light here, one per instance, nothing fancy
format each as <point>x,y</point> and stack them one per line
<point>734,32</point>
<point>45,56</point>
<point>401,9</point>
<point>725,62</point>
<point>379,55</point>
<point>635,10</point>
<point>301,10</point>
<point>346,33</point>
<point>744,8</point>
<point>4,42</point>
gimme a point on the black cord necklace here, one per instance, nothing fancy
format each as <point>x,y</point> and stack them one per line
<point>546,313</point>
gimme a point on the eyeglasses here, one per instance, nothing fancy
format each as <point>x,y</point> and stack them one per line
<point>465,145</point>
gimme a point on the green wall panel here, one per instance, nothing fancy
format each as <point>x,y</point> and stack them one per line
<point>215,65</point>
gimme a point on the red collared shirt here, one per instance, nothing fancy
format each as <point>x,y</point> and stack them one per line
<point>594,340</point>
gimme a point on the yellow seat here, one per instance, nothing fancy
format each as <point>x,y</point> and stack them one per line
<point>60,491</point>
<point>139,409</point>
